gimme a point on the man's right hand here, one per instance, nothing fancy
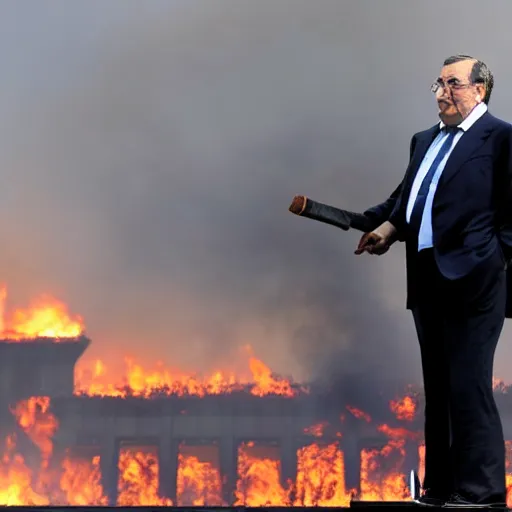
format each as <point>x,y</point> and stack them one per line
<point>377,241</point>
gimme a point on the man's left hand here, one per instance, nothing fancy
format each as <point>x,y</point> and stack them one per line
<point>377,241</point>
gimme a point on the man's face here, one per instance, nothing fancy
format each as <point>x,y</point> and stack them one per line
<point>457,98</point>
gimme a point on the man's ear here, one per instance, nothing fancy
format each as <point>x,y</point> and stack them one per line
<point>480,90</point>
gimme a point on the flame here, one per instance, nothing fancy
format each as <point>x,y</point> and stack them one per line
<point>47,317</point>
<point>67,479</point>
<point>81,482</point>
<point>141,382</point>
<point>138,478</point>
<point>316,430</point>
<point>265,382</point>
<point>198,482</point>
<point>508,469</point>
<point>500,385</point>
<point>360,415</point>
<point>259,482</point>
<point>398,433</point>
<point>421,465</point>
<point>16,479</point>
<point>3,298</point>
<point>381,481</point>
<point>404,408</point>
<point>40,425</point>
<point>321,477</point>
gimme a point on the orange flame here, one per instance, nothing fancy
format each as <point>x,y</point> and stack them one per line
<point>321,477</point>
<point>316,430</point>
<point>360,415</point>
<point>46,317</point>
<point>404,408</point>
<point>39,424</point>
<point>266,383</point>
<point>16,479</point>
<point>398,433</point>
<point>259,483</point>
<point>141,382</point>
<point>138,478</point>
<point>319,482</point>
<point>80,482</point>
<point>380,481</point>
<point>198,482</point>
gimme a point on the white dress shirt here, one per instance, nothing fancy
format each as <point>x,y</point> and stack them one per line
<point>425,234</point>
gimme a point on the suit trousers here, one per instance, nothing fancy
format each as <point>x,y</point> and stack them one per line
<point>458,323</point>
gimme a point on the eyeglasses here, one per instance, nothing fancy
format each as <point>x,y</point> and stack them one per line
<point>452,84</point>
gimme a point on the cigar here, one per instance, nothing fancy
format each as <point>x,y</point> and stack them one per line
<point>343,219</point>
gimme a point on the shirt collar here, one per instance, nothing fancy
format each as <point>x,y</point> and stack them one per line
<point>471,119</point>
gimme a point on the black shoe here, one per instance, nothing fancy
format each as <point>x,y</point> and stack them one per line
<point>458,501</point>
<point>432,499</point>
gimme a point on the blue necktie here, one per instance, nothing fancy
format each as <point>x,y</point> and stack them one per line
<point>421,199</point>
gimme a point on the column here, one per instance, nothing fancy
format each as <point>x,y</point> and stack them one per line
<point>109,457</point>
<point>288,448</point>
<point>351,448</point>
<point>228,456</point>
<point>168,467</point>
<point>412,458</point>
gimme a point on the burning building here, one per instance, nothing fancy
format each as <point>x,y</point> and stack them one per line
<point>162,438</point>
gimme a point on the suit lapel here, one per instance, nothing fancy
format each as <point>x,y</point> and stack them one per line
<point>470,142</point>
<point>423,142</point>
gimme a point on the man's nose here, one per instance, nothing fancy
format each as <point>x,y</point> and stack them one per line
<point>442,93</point>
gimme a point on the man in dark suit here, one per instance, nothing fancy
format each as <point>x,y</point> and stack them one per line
<point>453,209</point>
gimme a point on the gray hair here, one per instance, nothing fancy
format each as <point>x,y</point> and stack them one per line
<point>480,74</point>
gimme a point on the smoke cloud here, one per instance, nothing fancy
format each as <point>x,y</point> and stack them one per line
<point>150,151</point>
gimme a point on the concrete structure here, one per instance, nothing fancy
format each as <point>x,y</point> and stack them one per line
<point>38,366</point>
<point>101,426</point>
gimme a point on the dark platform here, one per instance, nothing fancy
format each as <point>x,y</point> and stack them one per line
<point>386,505</point>
<point>171,509</point>
<point>361,505</point>
<point>393,505</point>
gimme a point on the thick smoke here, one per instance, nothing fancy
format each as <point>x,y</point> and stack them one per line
<point>149,154</point>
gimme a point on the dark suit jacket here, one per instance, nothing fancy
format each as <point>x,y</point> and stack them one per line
<point>472,208</point>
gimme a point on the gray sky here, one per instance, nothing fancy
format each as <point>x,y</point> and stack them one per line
<point>149,151</point>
